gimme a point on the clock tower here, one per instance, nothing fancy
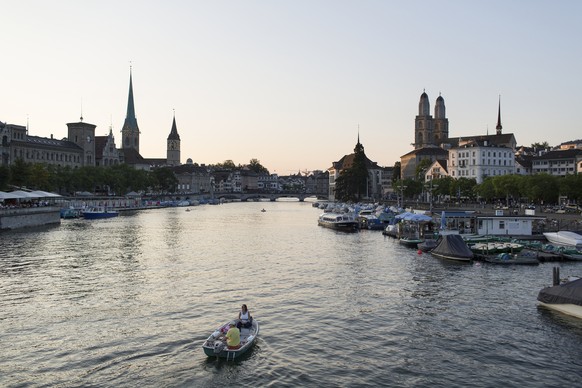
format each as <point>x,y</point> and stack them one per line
<point>173,152</point>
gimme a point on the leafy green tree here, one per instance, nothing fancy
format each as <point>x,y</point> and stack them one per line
<point>413,188</point>
<point>5,177</point>
<point>227,165</point>
<point>508,186</point>
<point>540,146</point>
<point>164,180</point>
<point>352,184</point>
<point>20,171</point>
<point>486,189</point>
<point>571,187</point>
<point>444,186</point>
<point>39,177</point>
<point>541,188</point>
<point>255,166</point>
<point>421,169</point>
<point>396,172</point>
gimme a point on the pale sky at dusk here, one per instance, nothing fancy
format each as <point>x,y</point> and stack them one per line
<point>289,82</point>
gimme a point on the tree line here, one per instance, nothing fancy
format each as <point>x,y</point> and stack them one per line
<point>118,179</point>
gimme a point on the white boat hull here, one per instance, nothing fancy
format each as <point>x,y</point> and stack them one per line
<point>567,238</point>
<point>570,309</point>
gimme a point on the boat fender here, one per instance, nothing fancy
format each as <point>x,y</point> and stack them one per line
<point>250,338</point>
<point>216,334</point>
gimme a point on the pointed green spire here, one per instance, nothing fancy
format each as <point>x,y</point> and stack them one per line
<point>130,119</point>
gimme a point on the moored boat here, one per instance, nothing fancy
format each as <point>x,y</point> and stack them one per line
<point>452,247</point>
<point>513,259</point>
<point>411,242</point>
<point>97,212</point>
<point>427,245</point>
<point>565,298</point>
<point>344,222</point>
<point>565,237</point>
<point>215,344</point>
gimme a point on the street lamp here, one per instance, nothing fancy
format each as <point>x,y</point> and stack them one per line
<point>430,190</point>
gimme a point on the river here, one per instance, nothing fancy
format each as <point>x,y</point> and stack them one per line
<point>128,302</point>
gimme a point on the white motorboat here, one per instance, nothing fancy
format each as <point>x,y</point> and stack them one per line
<point>345,222</point>
<point>565,237</point>
<point>216,346</point>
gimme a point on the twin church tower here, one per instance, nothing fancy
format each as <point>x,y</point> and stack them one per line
<point>130,132</point>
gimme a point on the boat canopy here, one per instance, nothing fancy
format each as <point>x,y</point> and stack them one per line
<point>453,245</point>
<point>567,293</point>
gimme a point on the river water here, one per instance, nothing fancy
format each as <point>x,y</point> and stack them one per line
<point>128,302</point>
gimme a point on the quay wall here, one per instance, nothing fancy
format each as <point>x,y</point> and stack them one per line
<point>29,217</point>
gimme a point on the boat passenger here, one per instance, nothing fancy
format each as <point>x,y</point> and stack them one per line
<point>233,336</point>
<point>244,318</point>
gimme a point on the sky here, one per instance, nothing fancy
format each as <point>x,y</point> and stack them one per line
<point>291,83</point>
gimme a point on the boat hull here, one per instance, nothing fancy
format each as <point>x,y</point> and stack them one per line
<point>95,216</point>
<point>569,309</point>
<point>567,238</point>
<point>452,258</point>
<point>214,346</point>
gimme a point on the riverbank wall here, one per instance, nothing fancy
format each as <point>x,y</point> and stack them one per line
<point>29,217</point>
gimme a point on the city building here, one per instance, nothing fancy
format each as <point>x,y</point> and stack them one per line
<point>374,189</point>
<point>558,162</point>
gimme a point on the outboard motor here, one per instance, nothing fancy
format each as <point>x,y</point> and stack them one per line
<point>218,347</point>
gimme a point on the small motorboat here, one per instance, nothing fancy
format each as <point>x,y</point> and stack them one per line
<point>427,245</point>
<point>215,344</point>
<point>565,237</point>
<point>98,212</point>
<point>452,247</point>
<point>565,298</point>
<point>513,259</point>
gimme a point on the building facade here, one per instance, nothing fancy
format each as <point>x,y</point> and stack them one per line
<point>480,159</point>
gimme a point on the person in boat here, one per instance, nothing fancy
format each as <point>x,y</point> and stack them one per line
<point>244,318</point>
<point>233,336</point>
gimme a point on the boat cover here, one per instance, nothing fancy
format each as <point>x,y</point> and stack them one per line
<point>567,293</point>
<point>453,245</point>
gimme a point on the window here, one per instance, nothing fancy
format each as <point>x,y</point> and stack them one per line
<point>501,225</point>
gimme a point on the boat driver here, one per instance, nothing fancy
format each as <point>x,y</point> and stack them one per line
<point>233,336</point>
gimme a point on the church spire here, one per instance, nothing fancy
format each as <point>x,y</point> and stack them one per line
<point>499,127</point>
<point>130,130</point>
<point>174,131</point>
<point>130,117</point>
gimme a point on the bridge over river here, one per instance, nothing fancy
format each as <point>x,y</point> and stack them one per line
<point>243,197</point>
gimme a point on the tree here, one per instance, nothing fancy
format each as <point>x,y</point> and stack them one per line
<point>20,171</point>
<point>540,146</point>
<point>255,166</point>
<point>396,172</point>
<point>486,189</point>
<point>571,187</point>
<point>352,184</point>
<point>164,180</point>
<point>5,177</point>
<point>227,165</point>
<point>541,188</point>
<point>422,168</point>
<point>507,186</point>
